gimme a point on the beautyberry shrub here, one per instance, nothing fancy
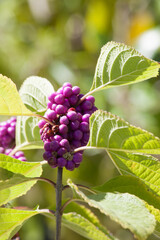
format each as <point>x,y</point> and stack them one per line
<point>69,115</point>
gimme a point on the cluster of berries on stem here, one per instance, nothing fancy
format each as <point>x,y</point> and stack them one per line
<point>68,128</point>
<point>7,139</point>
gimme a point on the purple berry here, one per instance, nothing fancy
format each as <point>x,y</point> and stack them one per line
<point>53,162</point>
<point>76,143</point>
<point>61,151</point>
<point>47,146</point>
<point>74,125</point>
<point>78,134</point>
<point>51,114</point>
<point>67,91</point>
<point>86,105</point>
<point>41,123</point>
<point>72,115</point>
<point>79,117</point>
<point>94,109</point>
<point>23,159</point>
<point>84,127</point>
<point>2,150</point>
<point>59,99</point>
<point>61,162</point>
<point>52,96</point>
<point>47,155</point>
<point>11,131</point>
<point>67,84</point>
<point>76,90</point>
<point>66,103</point>
<point>58,138</point>
<point>19,154</point>
<point>85,117</point>
<point>54,145</point>
<point>60,109</point>
<point>70,165</point>
<point>64,120</point>
<point>13,124</point>
<point>8,151</point>
<point>63,129</point>
<point>3,131</point>
<point>77,158</point>
<point>49,105</point>
<point>65,143</point>
<point>73,100</point>
<point>91,99</point>
<point>78,108</point>
<point>60,91</point>
<point>85,138</point>
<point>54,106</point>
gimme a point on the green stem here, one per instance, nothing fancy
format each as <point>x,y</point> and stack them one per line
<point>58,203</point>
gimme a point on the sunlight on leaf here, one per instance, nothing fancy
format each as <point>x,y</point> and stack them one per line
<point>34,93</point>
<point>121,207</point>
<point>11,220</point>
<point>14,187</point>
<point>125,144</point>
<point>119,64</point>
<point>10,101</point>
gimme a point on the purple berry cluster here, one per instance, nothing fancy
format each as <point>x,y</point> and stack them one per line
<point>7,139</point>
<point>69,129</point>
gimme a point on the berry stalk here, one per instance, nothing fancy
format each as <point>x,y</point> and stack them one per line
<point>58,203</point>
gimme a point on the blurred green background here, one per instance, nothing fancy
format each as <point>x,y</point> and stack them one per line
<point>61,41</point>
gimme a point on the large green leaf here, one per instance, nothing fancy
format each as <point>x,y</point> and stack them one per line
<point>15,185</point>
<point>125,144</point>
<point>11,221</point>
<point>27,133</point>
<point>124,208</point>
<point>10,101</point>
<point>132,185</point>
<point>119,64</point>
<point>34,93</point>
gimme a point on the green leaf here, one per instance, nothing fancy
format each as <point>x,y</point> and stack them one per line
<point>125,144</point>
<point>132,185</point>
<point>83,222</point>
<point>114,134</point>
<point>34,93</point>
<point>10,101</point>
<point>28,169</point>
<point>121,207</point>
<point>15,187</point>
<point>156,213</point>
<point>27,133</point>
<point>82,226</point>
<point>88,215</point>
<point>11,221</point>
<point>119,64</point>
